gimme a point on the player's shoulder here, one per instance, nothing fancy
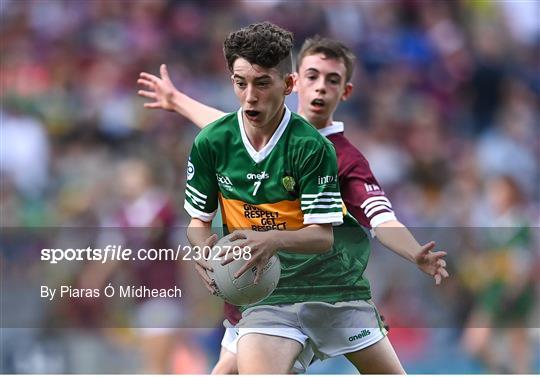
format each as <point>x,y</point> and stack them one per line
<point>304,134</point>
<point>347,151</point>
<point>217,130</point>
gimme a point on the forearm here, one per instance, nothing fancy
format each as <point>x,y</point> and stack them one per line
<point>198,232</point>
<point>396,237</point>
<point>198,113</point>
<point>311,239</point>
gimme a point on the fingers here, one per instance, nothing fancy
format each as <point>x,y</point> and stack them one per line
<point>202,272</point>
<point>226,252</point>
<point>209,287</point>
<point>236,235</point>
<point>207,246</point>
<point>230,254</point>
<point>153,105</point>
<point>229,257</point>
<point>204,264</point>
<point>444,273</point>
<point>439,254</point>
<point>427,247</point>
<point>146,83</point>
<point>434,258</point>
<point>164,73</point>
<point>221,253</point>
<point>442,270</point>
<point>440,275</point>
<point>247,266</point>
<point>208,283</point>
<point>148,77</point>
<point>211,241</point>
<point>147,94</point>
<point>258,273</point>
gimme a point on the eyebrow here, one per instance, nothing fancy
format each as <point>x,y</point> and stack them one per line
<point>317,71</point>
<point>264,77</point>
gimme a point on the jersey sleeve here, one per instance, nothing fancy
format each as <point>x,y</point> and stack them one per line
<point>201,195</point>
<point>319,188</point>
<point>362,194</point>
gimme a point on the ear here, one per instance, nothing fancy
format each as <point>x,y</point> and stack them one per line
<point>289,84</point>
<point>347,91</point>
<point>295,81</point>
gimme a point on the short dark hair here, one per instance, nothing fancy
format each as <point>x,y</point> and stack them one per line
<point>331,49</point>
<point>264,44</point>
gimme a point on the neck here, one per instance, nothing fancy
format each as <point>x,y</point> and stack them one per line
<point>319,123</point>
<point>260,136</point>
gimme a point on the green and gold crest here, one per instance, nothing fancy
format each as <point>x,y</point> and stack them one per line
<point>288,183</point>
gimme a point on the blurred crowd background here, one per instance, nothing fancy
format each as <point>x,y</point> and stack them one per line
<point>445,108</point>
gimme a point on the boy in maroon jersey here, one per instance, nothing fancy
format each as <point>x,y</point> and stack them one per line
<point>325,69</point>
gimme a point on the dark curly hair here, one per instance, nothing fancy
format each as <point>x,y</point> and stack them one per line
<point>264,44</point>
<point>331,49</point>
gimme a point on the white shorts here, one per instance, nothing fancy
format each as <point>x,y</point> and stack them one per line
<point>230,338</point>
<point>327,329</point>
<point>230,341</point>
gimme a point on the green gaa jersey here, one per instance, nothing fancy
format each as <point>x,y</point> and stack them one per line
<point>290,183</point>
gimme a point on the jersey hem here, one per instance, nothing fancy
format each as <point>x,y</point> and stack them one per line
<point>286,299</point>
<point>382,218</point>
<point>335,220</point>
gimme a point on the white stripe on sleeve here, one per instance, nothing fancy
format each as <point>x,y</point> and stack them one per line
<point>196,200</point>
<point>376,198</point>
<point>194,212</point>
<point>195,191</point>
<point>377,209</point>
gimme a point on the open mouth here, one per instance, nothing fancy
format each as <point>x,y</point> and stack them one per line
<point>252,114</point>
<point>318,103</point>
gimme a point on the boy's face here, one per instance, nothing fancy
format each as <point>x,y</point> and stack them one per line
<point>261,92</point>
<point>321,84</point>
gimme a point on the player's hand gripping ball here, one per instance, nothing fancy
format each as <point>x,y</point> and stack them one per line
<point>241,291</point>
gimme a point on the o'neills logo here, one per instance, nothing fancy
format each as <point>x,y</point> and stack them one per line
<point>258,177</point>
<point>360,335</point>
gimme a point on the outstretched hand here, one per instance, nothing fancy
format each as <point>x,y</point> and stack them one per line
<point>161,90</point>
<point>432,263</point>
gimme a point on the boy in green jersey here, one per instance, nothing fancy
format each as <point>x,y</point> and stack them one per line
<point>243,160</point>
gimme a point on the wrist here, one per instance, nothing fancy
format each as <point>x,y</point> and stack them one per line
<point>415,258</point>
<point>177,100</point>
<point>275,240</point>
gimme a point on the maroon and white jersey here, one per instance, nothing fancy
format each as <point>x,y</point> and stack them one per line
<point>363,196</point>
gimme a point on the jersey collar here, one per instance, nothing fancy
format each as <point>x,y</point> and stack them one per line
<point>334,128</point>
<point>258,156</point>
